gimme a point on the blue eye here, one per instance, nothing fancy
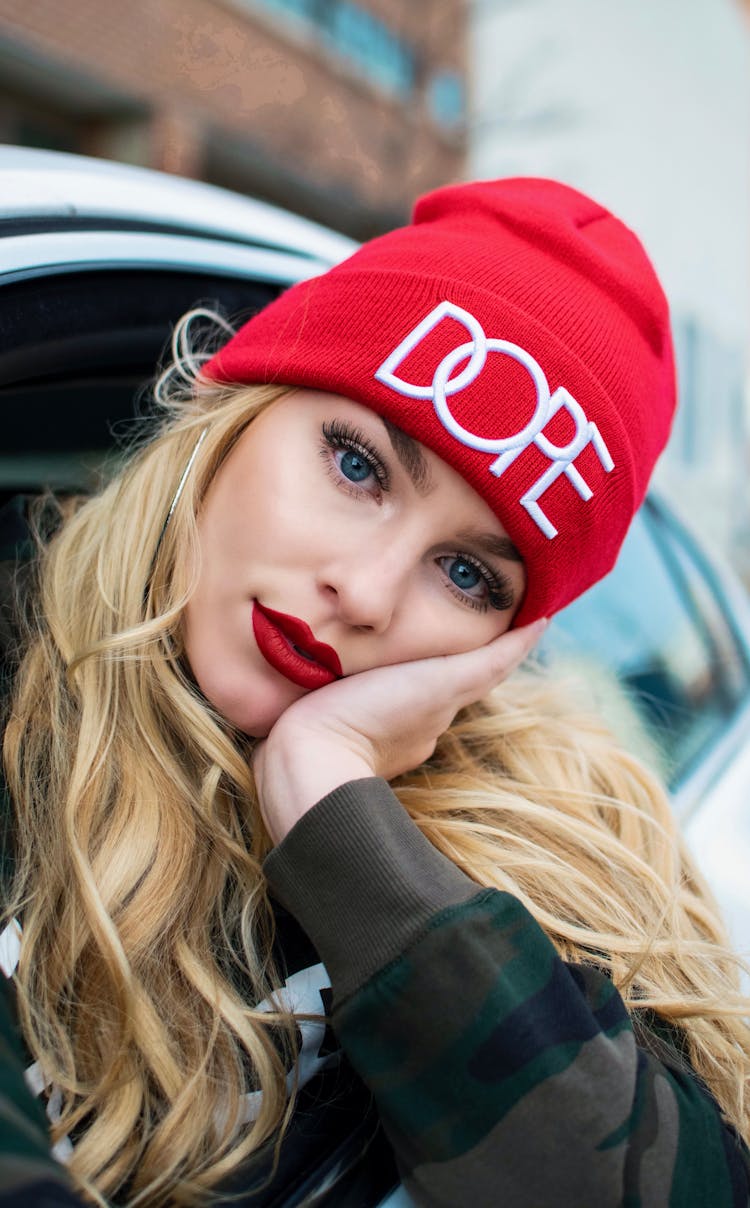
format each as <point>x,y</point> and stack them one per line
<point>464,574</point>
<point>354,467</point>
<point>475,584</point>
<point>353,461</point>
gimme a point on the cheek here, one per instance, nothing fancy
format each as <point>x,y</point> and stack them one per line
<point>477,630</point>
<point>460,625</point>
<point>435,624</point>
<point>260,510</point>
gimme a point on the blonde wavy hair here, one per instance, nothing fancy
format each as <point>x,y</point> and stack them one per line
<point>147,929</point>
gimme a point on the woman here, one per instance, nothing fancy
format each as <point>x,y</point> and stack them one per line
<point>236,710</point>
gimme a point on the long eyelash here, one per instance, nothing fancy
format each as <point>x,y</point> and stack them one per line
<point>340,435</point>
<point>499,587</point>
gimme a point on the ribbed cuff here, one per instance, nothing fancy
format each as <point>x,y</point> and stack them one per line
<point>362,880</point>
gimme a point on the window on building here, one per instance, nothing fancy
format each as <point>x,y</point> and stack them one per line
<point>368,43</point>
<point>30,124</point>
<point>357,36</point>
<point>446,99</point>
<point>302,8</point>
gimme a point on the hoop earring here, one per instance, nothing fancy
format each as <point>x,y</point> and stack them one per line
<point>175,500</point>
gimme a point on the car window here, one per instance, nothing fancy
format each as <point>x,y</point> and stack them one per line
<point>76,350</point>
<point>660,623</point>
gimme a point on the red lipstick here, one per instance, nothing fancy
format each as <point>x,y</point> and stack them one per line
<point>288,645</point>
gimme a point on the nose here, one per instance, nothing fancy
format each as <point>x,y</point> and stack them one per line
<point>366,585</point>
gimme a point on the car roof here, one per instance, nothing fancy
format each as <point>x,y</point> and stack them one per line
<point>49,185</point>
<point>97,261</point>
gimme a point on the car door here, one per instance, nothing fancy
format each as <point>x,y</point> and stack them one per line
<point>671,626</point>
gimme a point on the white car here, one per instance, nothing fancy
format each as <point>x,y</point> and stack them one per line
<point>673,623</point>
<point>98,259</point>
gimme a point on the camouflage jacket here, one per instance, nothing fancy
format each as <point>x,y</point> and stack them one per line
<point>504,1077</point>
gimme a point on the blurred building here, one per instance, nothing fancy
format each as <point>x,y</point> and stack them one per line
<point>343,111</point>
<point>647,107</point>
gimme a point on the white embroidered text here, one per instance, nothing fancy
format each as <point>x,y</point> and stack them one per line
<point>506,449</point>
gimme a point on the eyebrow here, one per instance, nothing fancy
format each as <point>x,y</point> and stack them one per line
<point>409,452</point>
<point>490,543</point>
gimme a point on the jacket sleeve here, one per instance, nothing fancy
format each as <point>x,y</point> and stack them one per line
<point>29,1175</point>
<point>502,1074</point>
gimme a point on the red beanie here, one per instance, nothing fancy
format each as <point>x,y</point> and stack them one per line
<point>516,328</point>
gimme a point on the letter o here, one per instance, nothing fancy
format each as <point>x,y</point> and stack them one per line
<point>521,438</point>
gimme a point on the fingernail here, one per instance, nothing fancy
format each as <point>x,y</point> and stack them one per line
<point>539,626</point>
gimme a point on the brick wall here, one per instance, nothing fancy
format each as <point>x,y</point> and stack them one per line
<point>229,91</point>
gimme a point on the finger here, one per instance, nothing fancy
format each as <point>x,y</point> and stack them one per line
<point>512,647</point>
<point>476,672</point>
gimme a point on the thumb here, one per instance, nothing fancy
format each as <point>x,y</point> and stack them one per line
<point>479,671</point>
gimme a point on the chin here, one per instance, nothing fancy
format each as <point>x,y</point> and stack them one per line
<point>254,723</point>
<point>252,709</point>
<point>252,726</point>
<point>256,731</point>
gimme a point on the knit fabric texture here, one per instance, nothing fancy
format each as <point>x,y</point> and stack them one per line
<point>518,329</point>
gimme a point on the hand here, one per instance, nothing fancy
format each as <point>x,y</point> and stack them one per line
<point>381,722</point>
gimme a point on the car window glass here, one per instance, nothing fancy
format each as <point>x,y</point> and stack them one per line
<point>657,622</point>
<point>77,350</point>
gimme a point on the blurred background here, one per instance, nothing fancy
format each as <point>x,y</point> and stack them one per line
<point>345,110</point>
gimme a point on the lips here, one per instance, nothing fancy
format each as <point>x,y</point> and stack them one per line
<point>288,645</point>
